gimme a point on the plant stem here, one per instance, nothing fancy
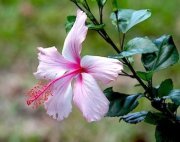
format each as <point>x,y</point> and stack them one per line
<point>158,104</point>
<point>108,40</point>
<point>87,6</point>
<point>78,5</point>
<point>123,39</point>
<point>106,37</point>
<point>117,22</point>
<point>135,75</point>
<point>101,14</point>
<point>126,74</point>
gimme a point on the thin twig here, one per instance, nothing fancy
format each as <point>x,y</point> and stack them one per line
<point>101,14</point>
<point>87,6</point>
<point>117,23</point>
<point>122,42</point>
<point>128,75</point>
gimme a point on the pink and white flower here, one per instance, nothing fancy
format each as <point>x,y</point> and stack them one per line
<point>70,77</point>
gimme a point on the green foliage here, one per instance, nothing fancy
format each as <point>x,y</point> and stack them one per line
<point>165,88</point>
<point>120,104</point>
<point>172,107</point>
<point>137,46</point>
<point>167,132</point>
<point>166,55</point>
<point>145,75</point>
<point>134,118</point>
<point>154,118</point>
<point>115,4</point>
<point>128,18</point>
<point>79,1</point>
<point>101,3</point>
<point>174,95</point>
<point>95,27</point>
<point>69,23</point>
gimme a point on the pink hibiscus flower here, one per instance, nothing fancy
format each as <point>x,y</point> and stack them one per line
<point>68,77</point>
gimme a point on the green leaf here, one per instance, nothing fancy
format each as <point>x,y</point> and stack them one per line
<point>167,132</point>
<point>174,95</point>
<point>165,88</point>
<point>130,60</point>
<point>120,104</point>
<point>154,118</point>
<point>95,27</point>
<point>80,1</point>
<point>134,118</point>
<point>69,23</point>
<point>172,107</point>
<point>166,55</point>
<point>137,46</point>
<point>145,75</point>
<point>127,18</point>
<point>101,3</point>
<point>115,4</point>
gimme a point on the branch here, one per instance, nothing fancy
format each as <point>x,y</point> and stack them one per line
<point>106,37</point>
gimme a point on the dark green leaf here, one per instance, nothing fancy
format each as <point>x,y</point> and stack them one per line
<point>172,107</point>
<point>95,27</point>
<point>120,104</point>
<point>154,118</point>
<point>165,88</point>
<point>80,1</point>
<point>69,23</point>
<point>127,18</point>
<point>115,4</point>
<point>145,75</point>
<point>167,132</point>
<point>101,3</point>
<point>137,46</point>
<point>166,55</point>
<point>174,95</point>
<point>134,118</point>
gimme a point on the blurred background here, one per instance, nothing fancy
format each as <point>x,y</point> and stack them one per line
<point>27,24</point>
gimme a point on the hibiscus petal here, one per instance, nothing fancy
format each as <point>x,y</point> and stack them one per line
<point>72,45</point>
<point>52,64</point>
<point>102,68</point>
<point>89,98</point>
<point>59,104</point>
